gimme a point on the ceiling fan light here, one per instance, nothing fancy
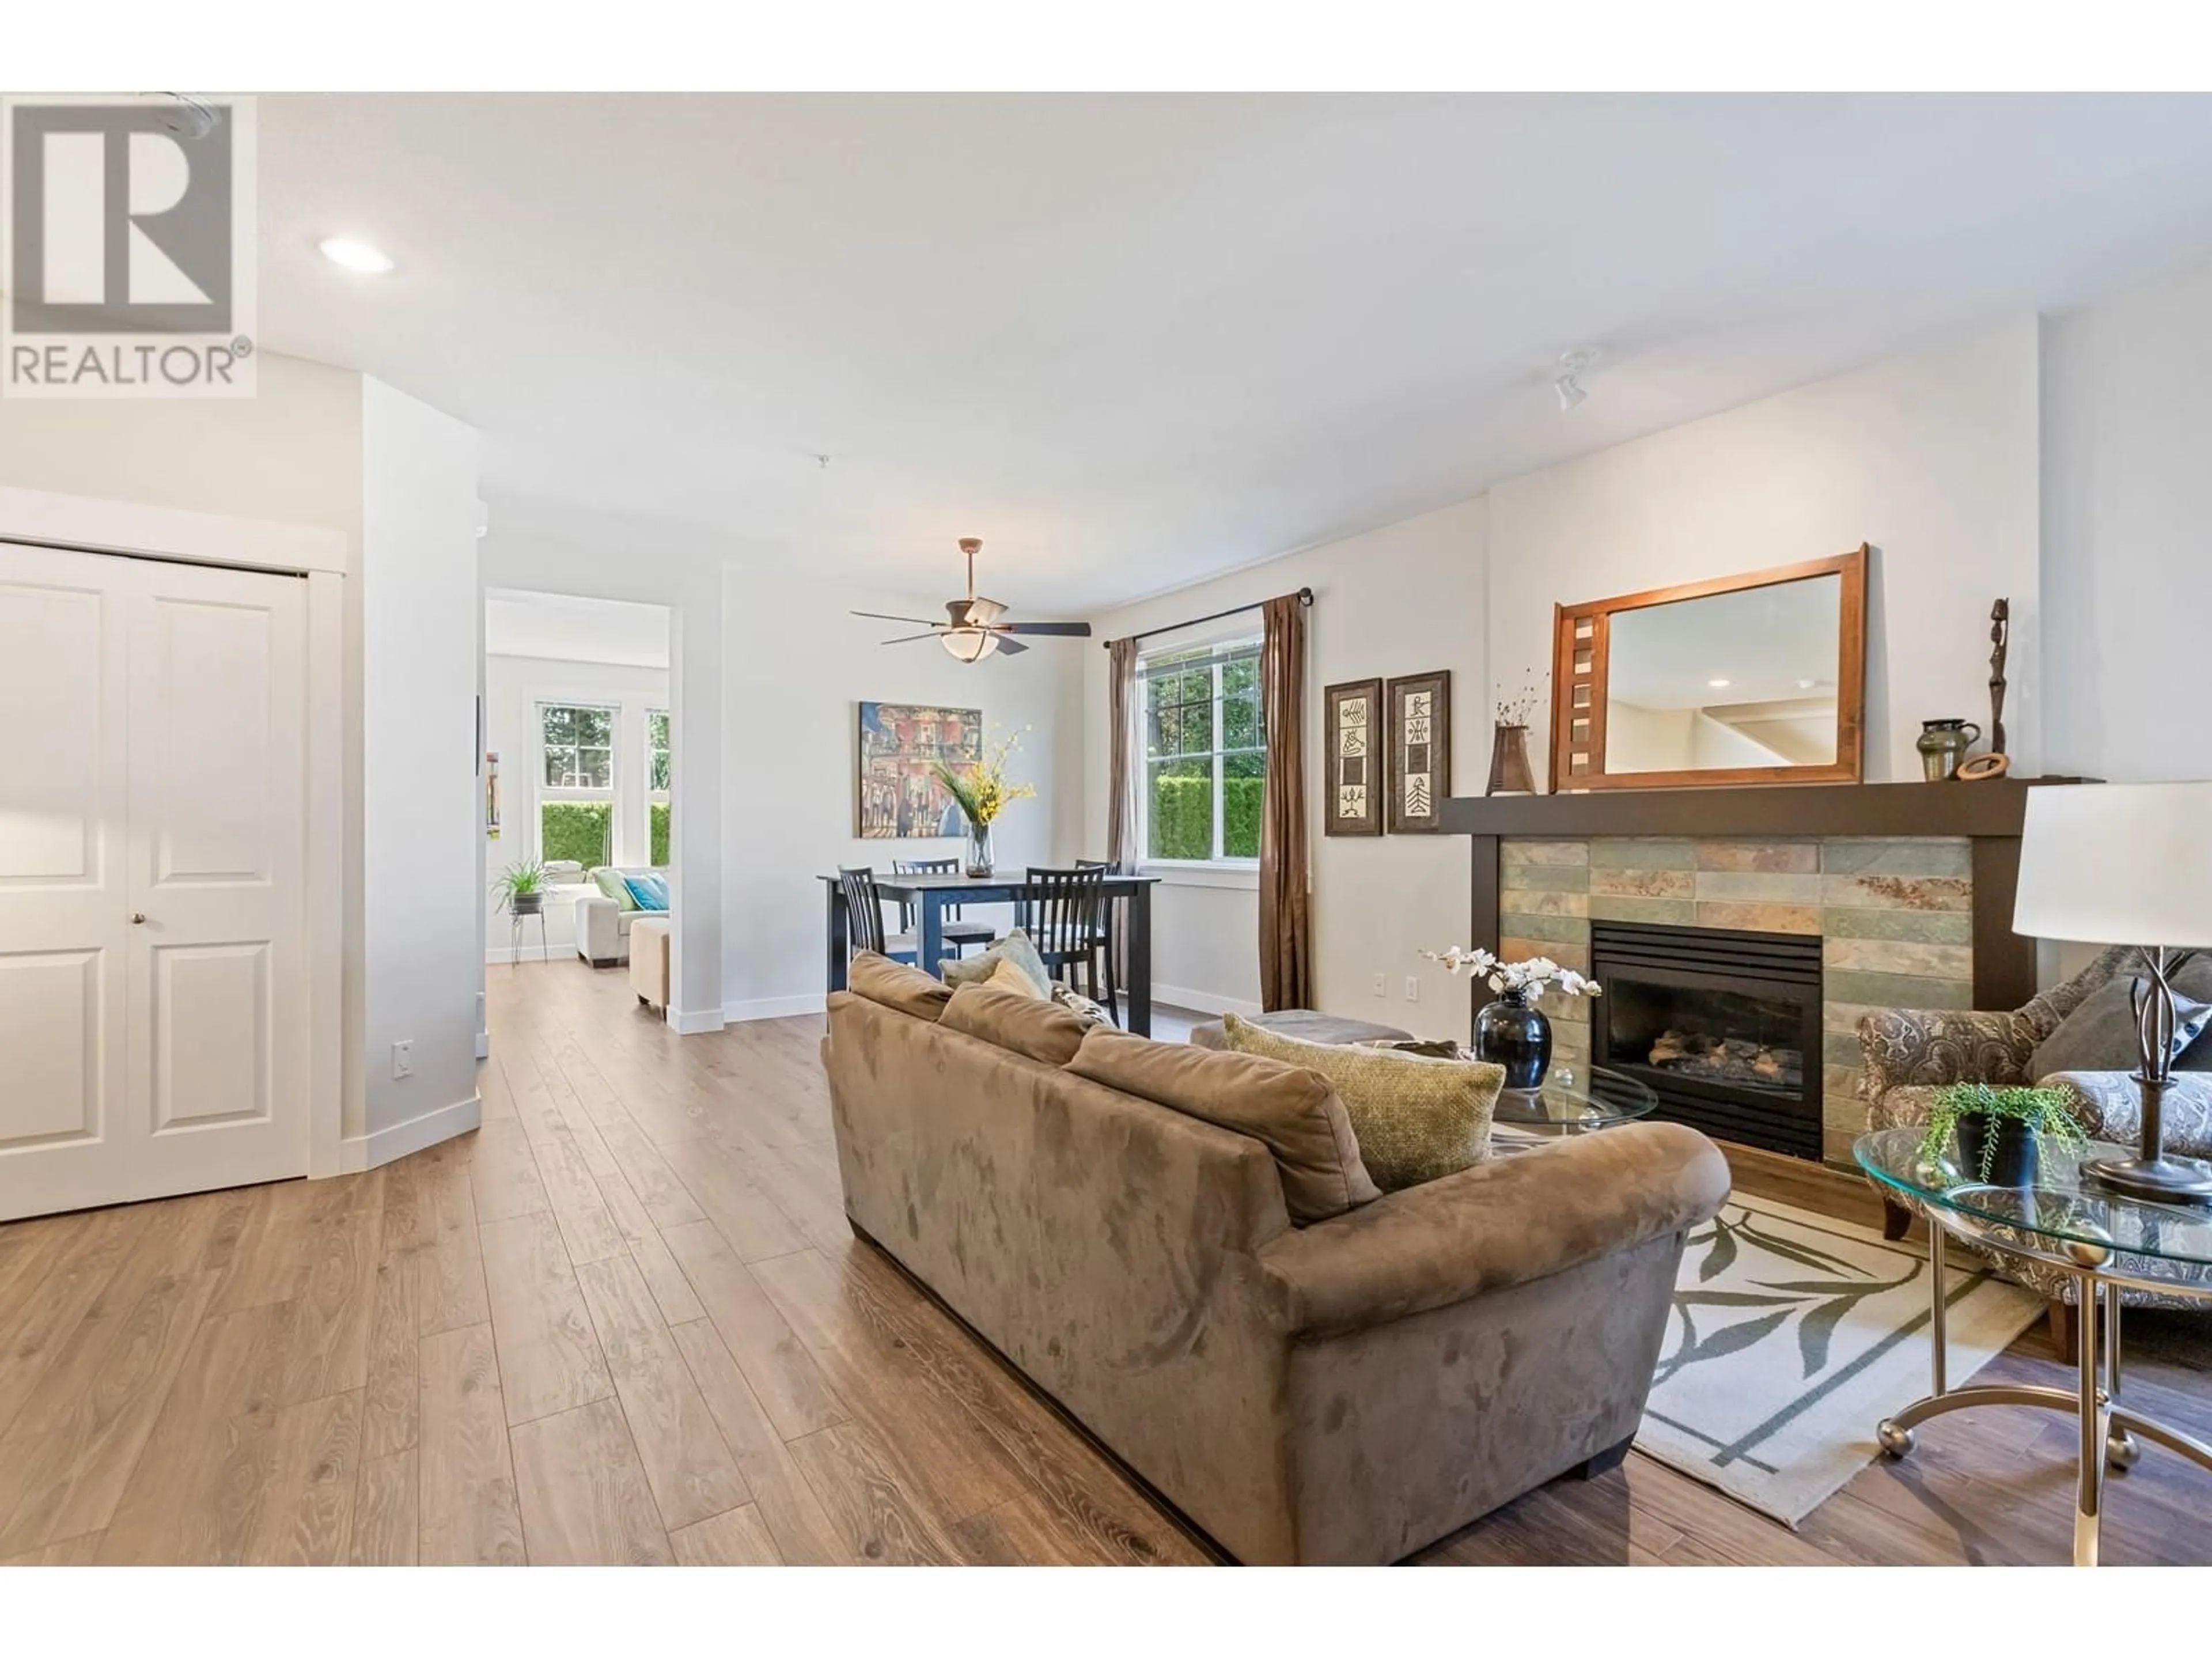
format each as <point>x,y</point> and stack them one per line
<point>969,644</point>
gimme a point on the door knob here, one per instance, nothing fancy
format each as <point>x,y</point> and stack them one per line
<point>138,918</point>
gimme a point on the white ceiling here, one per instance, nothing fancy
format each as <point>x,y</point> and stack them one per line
<point>1135,340</point>
<point>568,628</point>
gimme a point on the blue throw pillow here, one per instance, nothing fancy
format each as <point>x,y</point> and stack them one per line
<point>651,892</point>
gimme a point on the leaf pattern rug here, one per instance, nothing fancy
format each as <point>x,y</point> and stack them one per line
<point>1792,1335</point>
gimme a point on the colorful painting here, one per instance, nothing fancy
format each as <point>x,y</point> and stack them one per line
<point>901,744</point>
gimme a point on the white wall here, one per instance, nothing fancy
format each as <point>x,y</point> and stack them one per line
<point>422,626</point>
<point>514,686</point>
<point>799,666</point>
<point>1932,459</point>
<point>1403,599</point>
<point>2127,455</point>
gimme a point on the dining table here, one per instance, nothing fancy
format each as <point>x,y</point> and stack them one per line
<point>931,895</point>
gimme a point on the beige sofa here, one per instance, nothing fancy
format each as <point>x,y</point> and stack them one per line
<point>603,926</point>
<point>1345,1391</point>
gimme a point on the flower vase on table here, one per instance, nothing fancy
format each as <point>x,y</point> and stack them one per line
<point>979,862</point>
<point>1514,1032</point>
<point>981,792</point>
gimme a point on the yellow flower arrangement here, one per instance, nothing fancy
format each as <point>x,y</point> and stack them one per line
<point>982,791</point>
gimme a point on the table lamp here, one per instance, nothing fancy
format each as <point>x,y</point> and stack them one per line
<point>2127,864</point>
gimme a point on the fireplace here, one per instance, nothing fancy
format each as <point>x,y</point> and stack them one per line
<point>1723,1025</point>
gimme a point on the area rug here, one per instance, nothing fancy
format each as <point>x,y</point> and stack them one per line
<point>1792,1335</point>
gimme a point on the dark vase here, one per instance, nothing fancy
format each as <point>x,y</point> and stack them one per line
<point>1514,1033</point>
<point>2011,1160</point>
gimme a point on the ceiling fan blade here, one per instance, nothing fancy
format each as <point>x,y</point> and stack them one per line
<point>885,615</point>
<point>1063,630</point>
<point>905,639</point>
<point>1006,645</point>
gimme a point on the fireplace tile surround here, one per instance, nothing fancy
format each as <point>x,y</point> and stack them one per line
<point>1894,915</point>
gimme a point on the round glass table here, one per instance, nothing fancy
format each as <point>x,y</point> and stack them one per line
<point>2105,1240</point>
<point>1571,1100</point>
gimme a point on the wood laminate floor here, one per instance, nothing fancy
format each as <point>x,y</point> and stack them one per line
<point>625,1321</point>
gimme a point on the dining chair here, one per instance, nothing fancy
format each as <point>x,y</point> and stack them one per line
<point>864,917</point>
<point>1109,940</point>
<point>1059,911</point>
<point>959,935</point>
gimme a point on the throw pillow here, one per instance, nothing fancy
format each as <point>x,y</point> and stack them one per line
<point>1028,1025</point>
<point>1008,976</point>
<point>1290,1110</point>
<point>611,883</point>
<point>651,892</point>
<point>1090,1013</point>
<point>1416,1119</point>
<point>977,969</point>
<point>2100,1035</point>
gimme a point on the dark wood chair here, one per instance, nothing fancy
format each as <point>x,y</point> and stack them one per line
<point>1060,911</point>
<point>1109,937</point>
<point>864,917</point>
<point>959,936</point>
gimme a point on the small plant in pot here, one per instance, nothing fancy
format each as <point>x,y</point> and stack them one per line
<point>1999,1130</point>
<point>521,887</point>
<point>1513,1031</point>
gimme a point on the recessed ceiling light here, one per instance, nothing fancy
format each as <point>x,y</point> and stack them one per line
<point>355,256</point>
<point>1717,685</point>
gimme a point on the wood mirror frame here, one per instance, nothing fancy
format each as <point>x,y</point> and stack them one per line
<point>1582,644</point>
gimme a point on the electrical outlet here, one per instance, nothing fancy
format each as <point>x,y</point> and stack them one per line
<point>402,1060</point>
<point>1382,985</point>
<point>1412,988</point>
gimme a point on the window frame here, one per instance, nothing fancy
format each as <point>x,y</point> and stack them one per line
<point>1214,656</point>
<point>543,791</point>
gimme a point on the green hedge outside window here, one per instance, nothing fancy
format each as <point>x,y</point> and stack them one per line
<point>659,811</point>
<point>1182,820</point>
<point>581,830</point>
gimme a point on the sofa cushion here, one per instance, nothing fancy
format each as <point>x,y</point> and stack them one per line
<point>610,883</point>
<point>650,891</point>
<point>1416,1119</point>
<point>1008,976</point>
<point>894,985</point>
<point>1290,1110</point>
<point>1015,947</point>
<point>1029,1025</point>
<point>2100,1033</point>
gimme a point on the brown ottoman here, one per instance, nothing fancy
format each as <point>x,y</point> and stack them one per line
<point>1304,1025</point>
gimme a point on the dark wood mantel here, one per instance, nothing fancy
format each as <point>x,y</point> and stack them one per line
<point>1989,814</point>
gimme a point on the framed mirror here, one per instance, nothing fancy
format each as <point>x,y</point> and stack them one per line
<point>1758,678</point>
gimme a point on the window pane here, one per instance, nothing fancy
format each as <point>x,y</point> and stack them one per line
<point>660,832</point>
<point>1197,728</point>
<point>579,829</point>
<point>656,732</point>
<point>1167,733</point>
<point>560,766</point>
<point>1179,821</point>
<point>595,726</point>
<point>595,769</point>
<point>658,781</point>
<point>1243,792</point>
<point>1240,723</point>
<point>1197,685</point>
<point>1241,677</point>
<point>559,726</point>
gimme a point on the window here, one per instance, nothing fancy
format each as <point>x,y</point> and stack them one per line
<point>576,806</point>
<point>658,762</point>
<point>1206,753</point>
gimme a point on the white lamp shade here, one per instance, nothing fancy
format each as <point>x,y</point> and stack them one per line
<point>2117,864</point>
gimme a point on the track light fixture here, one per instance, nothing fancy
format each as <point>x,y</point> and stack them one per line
<point>1569,386</point>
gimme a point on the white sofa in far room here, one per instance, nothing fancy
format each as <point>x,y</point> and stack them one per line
<point>603,923</point>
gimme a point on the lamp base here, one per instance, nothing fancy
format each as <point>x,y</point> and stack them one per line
<point>2159,1180</point>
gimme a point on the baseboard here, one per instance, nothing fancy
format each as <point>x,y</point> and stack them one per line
<point>737,1013</point>
<point>380,1146</point>
<point>691,1022</point>
<point>1202,1002</point>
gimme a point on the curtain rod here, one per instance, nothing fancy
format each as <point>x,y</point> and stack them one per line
<point>1304,597</point>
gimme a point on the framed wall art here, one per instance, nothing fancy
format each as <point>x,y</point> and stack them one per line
<point>1420,752</point>
<point>898,795</point>
<point>1355,759</point>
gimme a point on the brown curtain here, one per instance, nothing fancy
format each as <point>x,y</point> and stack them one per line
<point>1121,789</point>
<point>1285,906</point>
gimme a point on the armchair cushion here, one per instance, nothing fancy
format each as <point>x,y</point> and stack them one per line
<point>1904,1048</point>
<point>1502,1223</point>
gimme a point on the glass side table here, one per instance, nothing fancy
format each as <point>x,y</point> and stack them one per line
<point>1573,1100</point>
<point>2107,1241</point>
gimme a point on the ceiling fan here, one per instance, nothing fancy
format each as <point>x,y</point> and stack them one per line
<point>975,631</point>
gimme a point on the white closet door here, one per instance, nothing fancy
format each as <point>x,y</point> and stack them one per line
<point>185,925</point>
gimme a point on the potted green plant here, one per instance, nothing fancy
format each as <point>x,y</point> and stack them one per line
<point>1999,1130</point>
<point>521,887</point>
